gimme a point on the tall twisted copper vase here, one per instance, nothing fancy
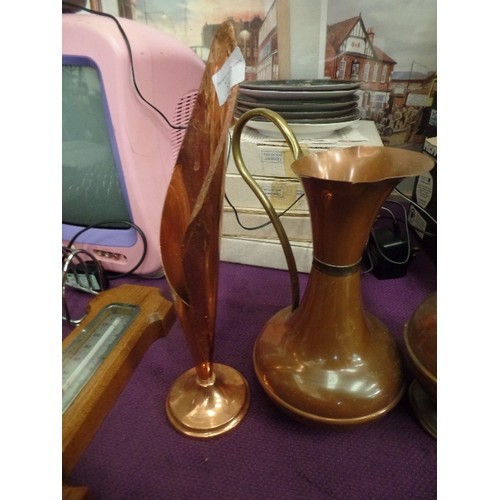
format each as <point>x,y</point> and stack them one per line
<point>325,359</point>
<point>210,398</point>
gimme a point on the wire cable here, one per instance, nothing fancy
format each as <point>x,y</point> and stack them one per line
<point>129,50</point>
<point>113,222</point>
<point>235,210</point>
<point>264,224</point>
<point>416,205</point>
<point>407,236</point>
<point>393,217</point>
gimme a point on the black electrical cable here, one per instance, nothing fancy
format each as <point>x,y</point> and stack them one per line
<point>393,217</point>
<point>235,210</point>
<point>421,231</point>
<point>370,260</point>
<point>253,228</point>
<point>129,49</point>
<point>114,222</point>
<point>407,231</point>
<point>416,205</point>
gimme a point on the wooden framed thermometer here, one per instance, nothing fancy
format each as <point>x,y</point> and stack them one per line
<point>100,355</point>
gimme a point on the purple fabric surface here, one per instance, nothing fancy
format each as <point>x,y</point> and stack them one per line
<point>136,454</point>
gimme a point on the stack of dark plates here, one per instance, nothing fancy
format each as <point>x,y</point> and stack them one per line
<point>312,108</point>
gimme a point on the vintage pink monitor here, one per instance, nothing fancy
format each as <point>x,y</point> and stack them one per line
<point>127,94</point>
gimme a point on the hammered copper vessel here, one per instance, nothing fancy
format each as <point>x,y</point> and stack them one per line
<point>326,360</point>
<point>210,398</point>
<point>420,337</point>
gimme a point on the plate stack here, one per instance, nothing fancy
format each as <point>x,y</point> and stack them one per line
<point>312,108</point>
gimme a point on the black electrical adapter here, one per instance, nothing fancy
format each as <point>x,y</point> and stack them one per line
<point>388,253</point>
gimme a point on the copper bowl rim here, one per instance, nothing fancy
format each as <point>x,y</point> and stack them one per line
<point>418,364</point>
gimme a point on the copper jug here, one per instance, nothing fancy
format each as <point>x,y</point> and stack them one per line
<point>324,359</point>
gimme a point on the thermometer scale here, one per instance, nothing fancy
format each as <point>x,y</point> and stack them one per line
<point>90,348</point>
<point>100,355</point>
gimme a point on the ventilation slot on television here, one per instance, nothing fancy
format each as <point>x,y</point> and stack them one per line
<point>181,119</point>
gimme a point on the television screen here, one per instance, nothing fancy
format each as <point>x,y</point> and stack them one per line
<point>93,189</point>
<point>127,95</point>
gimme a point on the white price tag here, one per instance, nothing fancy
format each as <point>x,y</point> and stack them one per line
<point>231,73</point>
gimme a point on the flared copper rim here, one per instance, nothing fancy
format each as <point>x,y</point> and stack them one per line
<point>359,164</point>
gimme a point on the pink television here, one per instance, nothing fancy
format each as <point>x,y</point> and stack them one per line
<point>128,91</point>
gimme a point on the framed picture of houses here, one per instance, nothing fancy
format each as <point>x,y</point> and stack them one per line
<point>390,47</point>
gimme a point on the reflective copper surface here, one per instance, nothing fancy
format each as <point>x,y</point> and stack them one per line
<point>420,337</point>
<point>190,239</point>
<point>209,408</point>
<point>326,360</point>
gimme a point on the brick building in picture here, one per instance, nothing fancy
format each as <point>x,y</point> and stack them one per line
<point>351,54</point>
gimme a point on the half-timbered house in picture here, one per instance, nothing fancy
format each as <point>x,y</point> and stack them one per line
<point>351,54</point>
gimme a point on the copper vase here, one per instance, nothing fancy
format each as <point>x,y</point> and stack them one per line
<point>325,359</point>
<point>210,398</point>
<point>420,340</point>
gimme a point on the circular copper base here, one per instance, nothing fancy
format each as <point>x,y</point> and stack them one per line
<point>319,420</point>
<point>424,407</point>
<point>208,410</point>
<point>319,379</point>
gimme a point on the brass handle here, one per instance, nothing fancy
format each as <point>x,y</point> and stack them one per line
<point>292,142</point>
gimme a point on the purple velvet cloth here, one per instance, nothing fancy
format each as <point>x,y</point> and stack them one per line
<point>136,454</point>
